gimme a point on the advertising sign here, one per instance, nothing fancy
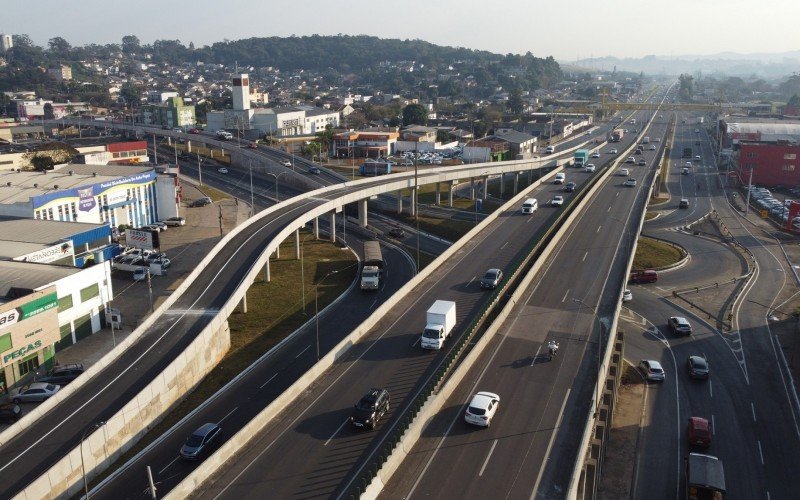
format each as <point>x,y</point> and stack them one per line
<point>30,326</point>
<point>139,239</point>
<point>54,253</point>
<point>86,201</point>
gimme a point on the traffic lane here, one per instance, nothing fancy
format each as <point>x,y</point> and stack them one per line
<point>396,359</point>
<point>239,403</point>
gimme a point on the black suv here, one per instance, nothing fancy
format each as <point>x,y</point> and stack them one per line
<point>62,374</point>
<point>370,408</point>
<point>10,412</point>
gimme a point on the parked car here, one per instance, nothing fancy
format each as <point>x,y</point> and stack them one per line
<point>697,367</point>
<point>679,325</point>
<point>200,441</point>
<point>492,278</point>
<point>699,432</point>
<point>10,412</point>
<point>370,408</point>
<point>627,296</point>
<point>201,202</point>
<point>482,408</point>
<point>652,370</point>
<point>37,391</point>
<point>175,221</point>
<point>68,369</point>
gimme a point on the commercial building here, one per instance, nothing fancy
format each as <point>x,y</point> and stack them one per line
<point>364,144</point>
<point>6,42</point>
<point>99,194</point>
<point>771,165</point>
<point>173,113</point>
<point>61,73</point>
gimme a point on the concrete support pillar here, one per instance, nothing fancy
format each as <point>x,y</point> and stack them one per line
<point>333,226</point>
<point>362,213</point>
<point>267,276</point>
<point>516,182</point>
<point>413,202</point>
<point>502,184</point>
<point>297,244</point>
<point>278,251</point>
<point>399,201</point>
<point>450,194</point>
<point>438,193</point>
<point>485,181</point>
<point>316,228</point>
<point>243,303</point>
<point>472,189</point>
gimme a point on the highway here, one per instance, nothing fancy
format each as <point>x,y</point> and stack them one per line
<point>754,419</point>
<point>310,450</point>
<point>533,442</point>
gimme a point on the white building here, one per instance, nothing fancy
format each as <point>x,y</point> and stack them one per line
<point>6,42</point>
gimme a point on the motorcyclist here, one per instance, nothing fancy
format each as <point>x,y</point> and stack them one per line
<point>552,348</point>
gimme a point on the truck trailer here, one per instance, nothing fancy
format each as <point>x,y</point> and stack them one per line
<point>441,318</point>
<point>617,134</point>
<point>705,477</point>
<point>373,266</point>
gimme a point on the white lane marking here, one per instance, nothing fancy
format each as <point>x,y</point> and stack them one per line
<point>710,389</point>
<point>268,381</point>
<point>550,444</point>
<point>752,407</point>
<point>486,462</point>
<point>565,296</point>
<point>168,465</point>
<point>301,352</point>
<point>584,256</point>
<point>536,356</point>
<point>609,209</point>
<point>504,245</point>
<point>371,306</point>
<point>336,432</point>
<point>713,425</point>
<point>760,453</point>
<point>598,229</point>
<point>416,341</point>
<point>228,415</point>
<point>470,281</point>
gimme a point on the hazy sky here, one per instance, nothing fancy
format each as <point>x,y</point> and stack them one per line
<point>567,29</point>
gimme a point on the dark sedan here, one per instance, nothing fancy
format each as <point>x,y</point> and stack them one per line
<point>698,367</point>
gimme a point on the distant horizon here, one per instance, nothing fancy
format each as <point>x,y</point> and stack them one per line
<point>629,29</point>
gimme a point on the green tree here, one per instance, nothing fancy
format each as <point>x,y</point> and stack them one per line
<point>515,104</point>
<point>131,44</point>
<point>794,101</point>
<point>415,114</point>
<point>59,47</point>
<point>324,139</point>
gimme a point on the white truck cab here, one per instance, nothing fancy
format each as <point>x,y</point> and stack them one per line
<point>441,318</point>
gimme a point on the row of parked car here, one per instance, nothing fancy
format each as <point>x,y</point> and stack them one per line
<point>40,389</point>
<point>762,198</point>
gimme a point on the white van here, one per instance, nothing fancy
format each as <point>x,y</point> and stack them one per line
<point>646,140</point>
<point>529,206</point>
<point>559,178</point>
<point>550,150</point>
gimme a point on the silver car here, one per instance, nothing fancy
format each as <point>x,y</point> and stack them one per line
<point>38,391</point>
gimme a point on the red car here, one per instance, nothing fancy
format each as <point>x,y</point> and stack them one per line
<point>194,130</point>
<point>645,276</point>
<point>253,145</point>
<point>699,432</point>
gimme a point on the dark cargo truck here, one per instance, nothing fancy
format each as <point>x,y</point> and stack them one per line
<point>687,152</point>
<point>705,477</point>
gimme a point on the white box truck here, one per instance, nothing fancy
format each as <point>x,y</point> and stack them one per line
<point>441,318</point>
<point>373,266</point>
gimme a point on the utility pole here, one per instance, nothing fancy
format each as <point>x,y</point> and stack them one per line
<point>220,220</point>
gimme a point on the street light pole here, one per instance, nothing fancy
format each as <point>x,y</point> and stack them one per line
<point>200,168</point>
<point>94,426</point>
<point>252,197</point>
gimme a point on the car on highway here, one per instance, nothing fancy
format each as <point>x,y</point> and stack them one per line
<point>697,366</point>
<point>642,162</point>
<point>652,147</point>
<point>370,408</point>
<point>569,187</point>
<point>679,325</point>
<point>184,156</point>
<point>222,170</point>
<point>314,170</point>
<point>286,163</point>
<point>200,441</point>
<point>482,408</point>
<point>396,232</point>
<point>253,145</point>
<point>685,171</point>
<point>613,151</point>
<point>175,221</point>
<point>596,154</point>
<point>684,203</point>
<point>10,412</point>
<point>625,172</point>
<point>627,296</point>
<point>630,159</point>
<point>491,279</point>
<point>194,130</point>
<point>652,370</point>
<point>589,167</point>
<point>697,131</point>
<point>697,143</point>
<point>657,139</point>
<point>559,178</point>
<point>698,432</point>
<point>631,182</point>
<point>698,158</point>
<point>557,201</point>
<point>643,276</point>
<point>37,391</point>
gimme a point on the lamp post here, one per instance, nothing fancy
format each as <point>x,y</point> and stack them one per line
<point>200,168</point>
<point>599,351</point>
<point>316,305</point>
<point>252,198</point>
<point>276,182</point>
<point>94,426</point>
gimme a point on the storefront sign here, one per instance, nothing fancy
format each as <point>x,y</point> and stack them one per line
<point>49,254</point>
<point>139,239</point>
<point>22,351</point>
<point>9,317</point>
<point>86,201</point>
<point>38,306</point>
<point>32,325</point>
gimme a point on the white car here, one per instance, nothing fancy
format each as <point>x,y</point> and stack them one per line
<point>38,391</point>
<point>596,154</point>
<point>557,200</point>
<point>625,172</point>
<point>222,170</point>
<point>482,408</point>
<point>140,274</point>
<point>652,370</point>
<point>286,163</point>
<point>630,159</point>
<point>627,296</point>
<point>652,147</point>
<point>559,178</point>
<point>589,167</point>
<point>613,151</point>
<point>631,182</point>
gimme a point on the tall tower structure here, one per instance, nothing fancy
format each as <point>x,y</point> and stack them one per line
<point>6,42</point>
<point>241,92</point>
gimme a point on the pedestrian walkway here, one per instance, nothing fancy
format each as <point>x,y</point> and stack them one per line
<point>185,246</point>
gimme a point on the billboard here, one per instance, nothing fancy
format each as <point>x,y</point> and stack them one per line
<point>146,240</point>
<point>57,252</point>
